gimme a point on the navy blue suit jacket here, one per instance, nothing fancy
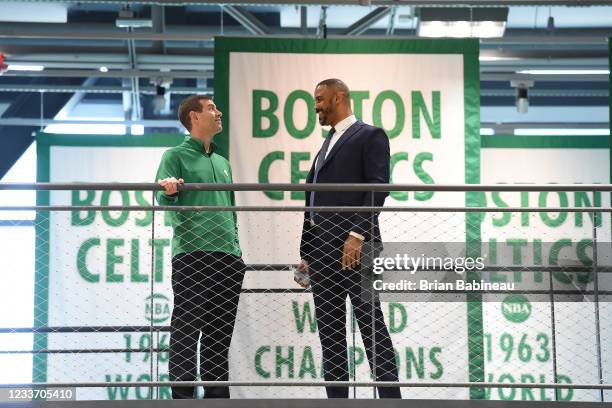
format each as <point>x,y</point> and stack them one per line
<point>361,155</point>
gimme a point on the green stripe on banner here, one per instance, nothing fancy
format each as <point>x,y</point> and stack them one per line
<point>225,45</point>
<point>148,140</point>
<point>475,336</point>
<point>545,142</point>
<point>41,267</point>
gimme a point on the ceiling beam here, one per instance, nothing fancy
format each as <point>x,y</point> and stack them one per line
<point>571,93</point>
<point>97,89</point>
<point>247,20</point>
<point>101,31</point>
<point>46,122</point>
<point>119,59</point>
<point>186,66</point>
<point>360,26</point>
<point>125,73</point>
<point>543,78</point>
<point>484,75</point>
<point>546,125</point>
<point>133,108</point>
<point>548,93</point>
<point>304,20</point>
<point>509,127</point>
<point>322,27</point>
<point>185,33</point>
<point>165,123</point>
<point>391,24</point>
<point>158,16</point>
<point>89,88</point>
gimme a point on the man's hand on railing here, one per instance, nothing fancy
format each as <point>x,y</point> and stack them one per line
<point>170,185</point>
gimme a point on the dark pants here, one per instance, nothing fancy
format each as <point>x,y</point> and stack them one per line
<point>206,288</point>
<point>330,287</point>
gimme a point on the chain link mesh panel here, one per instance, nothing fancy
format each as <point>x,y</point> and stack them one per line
<point>112,304</point>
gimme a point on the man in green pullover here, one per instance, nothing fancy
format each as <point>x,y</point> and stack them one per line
<point>207,268</point>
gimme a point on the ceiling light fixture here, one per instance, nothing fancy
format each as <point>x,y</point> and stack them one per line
<point>550,24</point>
<point>161,100</point>
<point>564,71</point>
<point>522,94</point>
<point>14,67</point>
<point>493,58</point>
<point>561,132</point>
<point>461,22</point>
<point>126,19</point>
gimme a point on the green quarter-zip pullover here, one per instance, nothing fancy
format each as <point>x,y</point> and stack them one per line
<point>212,231</point>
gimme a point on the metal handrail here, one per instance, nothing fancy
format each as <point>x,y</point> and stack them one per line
<point>309,187</point>
<point>296,208</point>
<point>307,384</point>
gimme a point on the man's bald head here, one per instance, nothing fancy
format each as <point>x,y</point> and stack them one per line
<point>336,85</point>
<point>332,101</point>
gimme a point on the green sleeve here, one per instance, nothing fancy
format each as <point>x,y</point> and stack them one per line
<point>168,167</point>
<point>233,202</point>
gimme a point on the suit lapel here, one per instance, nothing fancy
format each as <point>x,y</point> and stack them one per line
<point>310,175</point>
<point>350,132</point>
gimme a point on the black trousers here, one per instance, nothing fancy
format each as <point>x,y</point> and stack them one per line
<point>330,287</point>
<point>206,288</point>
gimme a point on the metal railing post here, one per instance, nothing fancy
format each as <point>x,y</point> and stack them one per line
<point>151,314</point>
<point>372,299</point>
<point>553,330</point>
<point>596,299</point>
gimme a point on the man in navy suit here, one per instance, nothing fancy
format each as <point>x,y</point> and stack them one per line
<point>331,244</point>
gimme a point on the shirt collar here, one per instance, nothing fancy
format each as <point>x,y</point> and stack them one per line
<point>345,124</point>
<point>197,144</point>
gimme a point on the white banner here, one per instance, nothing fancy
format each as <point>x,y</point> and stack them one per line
<point>520,344</point>
<point>419,99</point>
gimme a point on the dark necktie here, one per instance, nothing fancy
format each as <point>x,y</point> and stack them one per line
<point>318,165</point>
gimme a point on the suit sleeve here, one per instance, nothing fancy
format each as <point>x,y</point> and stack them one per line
<point>306,240</point>
<point>376,160</point>
<point>233,203</point>
<point>168,167</point>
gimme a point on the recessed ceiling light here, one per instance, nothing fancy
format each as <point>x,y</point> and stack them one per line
<point>462,22</point>
<point>13,67</point>
<point>564,71</point>
<point>493,58</point>
<point>462,29</point>
<point>562,132</point>
<point>134,23</point>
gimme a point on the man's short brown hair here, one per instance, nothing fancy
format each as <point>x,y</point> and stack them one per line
<point>191,104</point>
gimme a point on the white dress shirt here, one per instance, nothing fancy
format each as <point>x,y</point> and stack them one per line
<point>340,127</point>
